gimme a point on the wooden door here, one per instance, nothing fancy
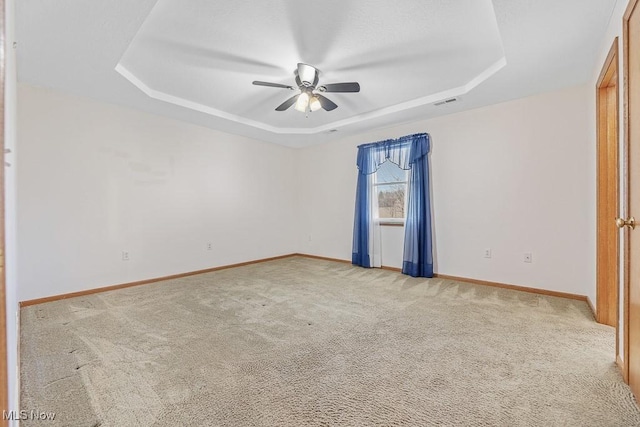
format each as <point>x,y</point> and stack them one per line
<point>631,29</point>
<point>608,243</point>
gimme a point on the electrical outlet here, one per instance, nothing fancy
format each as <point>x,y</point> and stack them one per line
<point>125,255</point>
<point>309,237</point>
<point>528,257</point>
<point>209,246</point>
<point>487,253</point>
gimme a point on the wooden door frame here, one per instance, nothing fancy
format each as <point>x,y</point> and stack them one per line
<point>627,141</point>
<point>4,375</point>
<point>607,290</point>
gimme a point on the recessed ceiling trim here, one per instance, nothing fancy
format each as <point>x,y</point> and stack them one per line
<point>418,102</point>
<point>425,100</point>
<point>494,68</point>
<point>162,96</point>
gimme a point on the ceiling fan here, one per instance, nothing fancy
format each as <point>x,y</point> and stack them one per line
<point>309,99</point>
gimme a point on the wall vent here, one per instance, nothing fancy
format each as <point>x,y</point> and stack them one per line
<point>446,101</point>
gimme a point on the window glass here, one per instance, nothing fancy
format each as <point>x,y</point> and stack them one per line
<point>391,188</point>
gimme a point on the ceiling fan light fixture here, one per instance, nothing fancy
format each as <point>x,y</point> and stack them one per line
<point>303,102</point>
<point>309,98</point>
<point>307,74</point>
<point>314,103</point>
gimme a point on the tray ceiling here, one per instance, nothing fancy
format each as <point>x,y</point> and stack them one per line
<point>195,61</point>
<point>205,56</point>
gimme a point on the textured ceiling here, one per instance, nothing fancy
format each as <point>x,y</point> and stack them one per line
<point>195,61</point>
<point>206,55</point>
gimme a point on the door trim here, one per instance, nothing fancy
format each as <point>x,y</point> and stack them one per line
<point>607,188</point>
<point>625,66</point>
<point>4,373</point>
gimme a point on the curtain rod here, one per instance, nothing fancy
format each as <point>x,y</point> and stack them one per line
<point>396,140</point>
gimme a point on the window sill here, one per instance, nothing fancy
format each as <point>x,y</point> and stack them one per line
<point>392,223</point>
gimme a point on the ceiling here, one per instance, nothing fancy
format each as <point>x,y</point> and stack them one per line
<point>195,61</point>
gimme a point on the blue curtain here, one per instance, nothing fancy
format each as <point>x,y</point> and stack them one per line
<point>418,256</point>
<point>409,153</point>
<point>360,253</point>
<point>370,157</point>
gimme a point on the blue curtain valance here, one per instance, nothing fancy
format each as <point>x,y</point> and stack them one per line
<point>403,151</point>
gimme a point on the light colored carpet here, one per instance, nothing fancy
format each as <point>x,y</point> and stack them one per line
<point>299,342</point>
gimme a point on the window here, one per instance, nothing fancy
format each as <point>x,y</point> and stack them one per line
<point>391,188</point>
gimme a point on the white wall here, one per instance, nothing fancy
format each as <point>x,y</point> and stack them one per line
<point>514,177</point>
<point>95,180</point>
<point>614,30</point>
<point>10,211</point>
<point>392,242</point>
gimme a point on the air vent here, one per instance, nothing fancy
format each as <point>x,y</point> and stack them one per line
<point>446,101</point>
